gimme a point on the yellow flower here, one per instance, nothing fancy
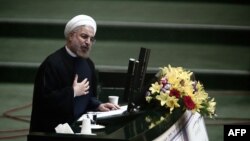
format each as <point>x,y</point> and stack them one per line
<point>178,85</point>
<point>155,88</point>
<point>199,86</point>
<point>211,107</point>
<point>151,125</point>
<point>149,98</point>
<point>172,103</point>
<point>199,98</point>
<point>163,98</point>
<point>186,90</point>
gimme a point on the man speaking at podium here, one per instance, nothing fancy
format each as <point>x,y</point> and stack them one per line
<point>65,84</point>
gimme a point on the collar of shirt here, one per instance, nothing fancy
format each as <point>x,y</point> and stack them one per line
<point>70,52</point>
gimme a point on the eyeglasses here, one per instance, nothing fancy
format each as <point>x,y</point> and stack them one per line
<point>86,36</point>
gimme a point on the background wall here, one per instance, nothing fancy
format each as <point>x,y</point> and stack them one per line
<point>210,38</point>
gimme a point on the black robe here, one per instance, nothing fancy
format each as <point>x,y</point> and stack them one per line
<point>53,95</point>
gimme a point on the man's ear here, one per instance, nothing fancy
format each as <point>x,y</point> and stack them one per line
<point>70,36</point>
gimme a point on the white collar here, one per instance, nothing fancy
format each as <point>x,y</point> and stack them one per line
<point>70,52</point>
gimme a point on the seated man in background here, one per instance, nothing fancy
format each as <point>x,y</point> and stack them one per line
<point>65,84</point>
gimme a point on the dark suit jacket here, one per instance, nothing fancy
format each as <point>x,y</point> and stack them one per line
<point>53,98</point>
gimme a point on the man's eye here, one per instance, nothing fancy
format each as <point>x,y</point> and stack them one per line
<point>85,36</point>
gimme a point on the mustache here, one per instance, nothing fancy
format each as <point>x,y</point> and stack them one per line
<point>84,47</point>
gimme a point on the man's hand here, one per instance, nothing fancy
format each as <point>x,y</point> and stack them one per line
<point>81,88</point>
<point>107,107</point>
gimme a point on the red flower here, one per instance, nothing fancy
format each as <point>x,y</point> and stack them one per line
<point>174,92</point>
<point>188,102</point>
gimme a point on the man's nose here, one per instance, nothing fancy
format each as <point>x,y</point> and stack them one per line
<point>88,40</point>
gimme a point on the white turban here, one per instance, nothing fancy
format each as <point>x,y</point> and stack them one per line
<point>78,21</point>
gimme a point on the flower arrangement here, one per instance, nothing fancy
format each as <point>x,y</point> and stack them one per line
<point>174,87</point>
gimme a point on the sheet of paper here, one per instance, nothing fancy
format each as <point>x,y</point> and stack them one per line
<point>108,113</point>
<point>64,128</point>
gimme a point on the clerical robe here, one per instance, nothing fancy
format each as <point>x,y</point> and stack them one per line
<point>53,95</point>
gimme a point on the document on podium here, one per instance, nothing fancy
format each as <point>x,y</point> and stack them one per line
<point>106,114</point>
